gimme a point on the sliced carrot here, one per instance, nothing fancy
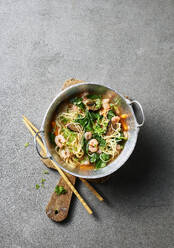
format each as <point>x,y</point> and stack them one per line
<point>86,167</point>
<point>124,125</point>
<point>123,116</point>
<point>53,124</point>
<point>56,131</point>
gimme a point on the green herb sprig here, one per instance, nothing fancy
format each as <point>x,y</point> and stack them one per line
<point>59,190</point>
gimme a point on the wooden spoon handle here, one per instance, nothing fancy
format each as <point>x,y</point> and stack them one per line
<point>58,206</point>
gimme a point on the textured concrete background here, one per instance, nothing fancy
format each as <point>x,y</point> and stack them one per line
<point>129,45</point>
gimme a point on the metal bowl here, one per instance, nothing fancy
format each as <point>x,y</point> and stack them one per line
<point>126,107</point>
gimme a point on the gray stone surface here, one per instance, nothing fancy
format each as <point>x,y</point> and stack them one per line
<point>128,45</point>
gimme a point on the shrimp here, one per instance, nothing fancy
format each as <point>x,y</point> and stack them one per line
<point>93,145</point>
<point>75,108</point>
<point>59,140</point>
<point>118,148</point>
<point>86,162</point>
<point>84,95</point>
<point>88,135</point>
<point>105,103</point>
<point>125,134</point>
<point>115,120</point>
<point>105,107</point>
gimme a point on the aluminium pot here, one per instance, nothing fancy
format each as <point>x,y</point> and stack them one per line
<point>126,106</point>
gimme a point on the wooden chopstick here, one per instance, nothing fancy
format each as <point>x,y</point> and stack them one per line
<point>61,172</point>
<point>90,187</point>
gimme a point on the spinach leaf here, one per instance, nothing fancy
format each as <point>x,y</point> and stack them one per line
<point>100,164</point>
<point>93,97</point>
<point>120,138</point>
<point>78,102</point>
<point>88,127</point>
<point>95,116</point>
<point>100,140</point>
<point>52,138</point>
<point>86,122</point>
<point>105,156</point>
<point>84,145</point>
<point>110,114</point>
<point>81,120</point>
<point>94,157</point>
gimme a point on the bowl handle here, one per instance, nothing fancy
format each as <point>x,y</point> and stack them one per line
<point>37,149</point>
<point>142,112</point>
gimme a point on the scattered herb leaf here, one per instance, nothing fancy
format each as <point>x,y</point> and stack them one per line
<point>26,144</point>
<point>60,190</point>
<point>37,186</point>
<point>43,180</point>
<point>46,172</point>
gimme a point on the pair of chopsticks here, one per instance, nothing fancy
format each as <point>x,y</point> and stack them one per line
<point>33,131</point>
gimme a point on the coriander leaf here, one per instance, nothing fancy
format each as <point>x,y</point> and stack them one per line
<point>37,186</point>
<point>98,129</point>
<point>98,104</point>
<point>59,190</point>
<point>26,144</point>
<point>110,114</point>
